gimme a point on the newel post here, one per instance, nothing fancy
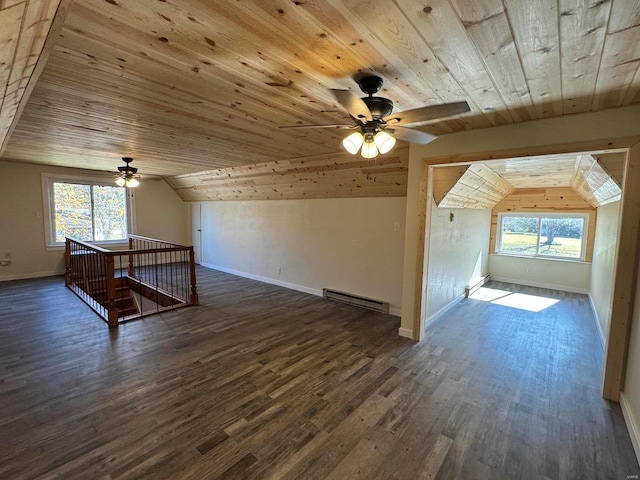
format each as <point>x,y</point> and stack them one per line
<point>192,274</point>
<point>67,262</point>
<point>132,272</point>
<point>112,309</point>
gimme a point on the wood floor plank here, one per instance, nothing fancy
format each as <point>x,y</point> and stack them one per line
<point>262,382</point>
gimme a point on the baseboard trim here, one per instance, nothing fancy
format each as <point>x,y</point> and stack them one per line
<point>440,313</point>
<point>406,333</point>
<point>595,315</point>
<point>26,276</point>
<point>259,278</point>
<point>550,286</point>
<point>273,281</point>
<point>632,425</point>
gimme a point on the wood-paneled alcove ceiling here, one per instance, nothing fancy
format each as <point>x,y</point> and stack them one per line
<point>595,179</point>
<point>187,87</point>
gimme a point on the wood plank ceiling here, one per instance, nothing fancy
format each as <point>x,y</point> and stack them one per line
<point>190,86</point>
<point>26,37</point>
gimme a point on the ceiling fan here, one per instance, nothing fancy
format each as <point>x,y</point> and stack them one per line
<point>127,176</point>
<point>377,128</point>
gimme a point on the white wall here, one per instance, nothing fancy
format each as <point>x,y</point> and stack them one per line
<point>458,254</point>
<point>158,210</point>
<point>605,125</point>
<point>603,263</point>
<point>353,244</point>
<point>563,275</point>
<point>161,213</point>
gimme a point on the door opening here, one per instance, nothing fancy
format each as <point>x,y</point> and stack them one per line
<point>196,231</point>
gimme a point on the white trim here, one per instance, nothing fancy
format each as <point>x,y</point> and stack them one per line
<point>259,278</point>
<point>632,425</point>
<point>300,288</point>
<point>550,286</point>
<point>405,332</point>
<point>595,315</point>
<point>25,276</point>
<point>442,311</point>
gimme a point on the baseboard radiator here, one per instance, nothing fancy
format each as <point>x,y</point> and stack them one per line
<point>470,289</point>
<point>357,300</point>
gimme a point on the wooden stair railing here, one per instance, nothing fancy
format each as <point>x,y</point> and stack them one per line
<point>115,283</point>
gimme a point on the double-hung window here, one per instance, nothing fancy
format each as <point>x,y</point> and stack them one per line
<point>93,210</point>
<point>542,235</point>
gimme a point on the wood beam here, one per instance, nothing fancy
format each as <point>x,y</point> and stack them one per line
<point>624,281</point>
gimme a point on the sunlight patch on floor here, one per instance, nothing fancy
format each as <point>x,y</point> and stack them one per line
<point>532,303</point>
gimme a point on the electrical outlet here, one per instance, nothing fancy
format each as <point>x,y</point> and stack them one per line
<point>279,270</point>
<point>396,227</point>
<point>7,255</point>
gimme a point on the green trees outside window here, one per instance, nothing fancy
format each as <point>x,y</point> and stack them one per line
<point>89,212</point>
<point>542,235</point>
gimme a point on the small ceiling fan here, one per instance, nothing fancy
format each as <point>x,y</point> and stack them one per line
<point>377,128</point>
<point>127,176</point>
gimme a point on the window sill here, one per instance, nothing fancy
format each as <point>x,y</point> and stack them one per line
<point>541,257</point>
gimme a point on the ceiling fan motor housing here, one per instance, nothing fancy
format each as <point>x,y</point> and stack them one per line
<point>370,84</point>
<point>128,169</point>
<point>379,106</point>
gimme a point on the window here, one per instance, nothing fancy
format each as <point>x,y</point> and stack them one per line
<point>544,235</point>
<point>87,209</point>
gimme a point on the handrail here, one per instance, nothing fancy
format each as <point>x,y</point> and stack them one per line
<point>149,239</point>
<point>90,246</point>
<point>177,248</point>
<point>165,275</point>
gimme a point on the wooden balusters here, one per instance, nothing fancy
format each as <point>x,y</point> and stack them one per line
<point>150,268</point>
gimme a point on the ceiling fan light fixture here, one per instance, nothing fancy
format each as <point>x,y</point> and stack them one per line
<point>131,182</point>
<point>384,141</point>
<point>126,176</point>
<point>369,150</point>
<point>353,142</point>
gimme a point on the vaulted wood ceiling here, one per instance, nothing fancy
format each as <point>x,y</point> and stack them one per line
<point>187,86</point>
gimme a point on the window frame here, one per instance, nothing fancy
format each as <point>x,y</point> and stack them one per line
<point>540,216</point>
<point>91,180</point>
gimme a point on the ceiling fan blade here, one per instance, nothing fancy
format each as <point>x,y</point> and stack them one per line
<point>424,114</point>
<point>410,135</point>
<point>354,104</point>
<point>340,126</point>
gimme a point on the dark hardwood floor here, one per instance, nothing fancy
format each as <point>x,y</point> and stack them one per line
<point>261,382</point>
